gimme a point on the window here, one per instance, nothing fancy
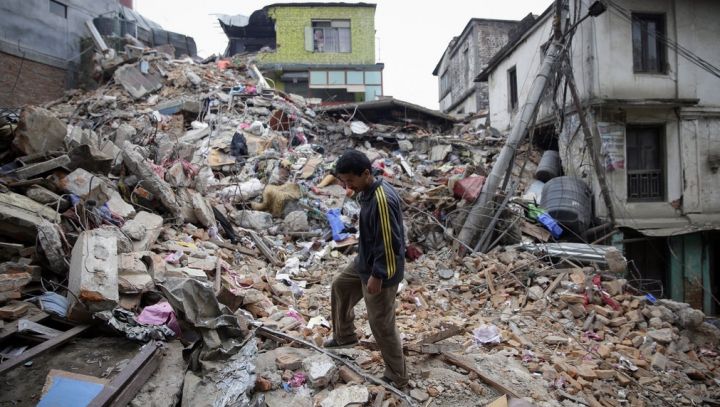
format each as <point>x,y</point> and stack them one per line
<point>58,9</point>
<point>512,88</point>
<point>648,50</point>
<point>645,178</point>
<point>444,84</point>
<point>328,37</point>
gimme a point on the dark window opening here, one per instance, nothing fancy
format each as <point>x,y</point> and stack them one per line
<point>648,48</point>
<point>648,264</point>
<point>645,175</point>
<point>444,84</point>
<point>58,9</point>
<point>513,90</point>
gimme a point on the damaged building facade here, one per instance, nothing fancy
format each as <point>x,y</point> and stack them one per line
<point>465,57</point>
<point>653,112</point>
<point>317,50</point>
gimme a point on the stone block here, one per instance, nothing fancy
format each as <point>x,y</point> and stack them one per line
<point>203,211</point>
<point>39,131</point>
<point>93,276</point>
<point>47,197</point>
<point>87,186</point>
<point>153,226</point>
<point>348,395</point>
<point>321,370</point>
<point>15,310</point>
<point>136,83</point>
<point>117,205</point>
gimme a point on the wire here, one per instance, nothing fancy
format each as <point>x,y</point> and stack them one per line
<point>22,61</point>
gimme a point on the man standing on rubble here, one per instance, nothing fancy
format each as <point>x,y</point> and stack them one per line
<point>377,269</point>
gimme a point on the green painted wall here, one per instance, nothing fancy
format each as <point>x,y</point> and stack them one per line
<point>291,23</point>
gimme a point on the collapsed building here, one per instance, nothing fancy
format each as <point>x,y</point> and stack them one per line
<point>191,206</point>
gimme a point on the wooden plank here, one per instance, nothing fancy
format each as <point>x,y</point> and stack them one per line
<point>12,327</point>
<point>267,252</point>
<point>97,38</point>
<point>489,279</point>
<point>485,377</point>
<point>114,389</point>
<point>379,398</point>
<point>26,325</point>
<point>555,284</point>
<point>42,348</point>
<point>443,335</point>
<point>124,398</point>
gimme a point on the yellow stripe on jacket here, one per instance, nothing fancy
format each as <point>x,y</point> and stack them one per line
<point>384,214</point>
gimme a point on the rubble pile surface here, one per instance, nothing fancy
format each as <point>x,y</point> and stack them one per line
<point>180,201</point>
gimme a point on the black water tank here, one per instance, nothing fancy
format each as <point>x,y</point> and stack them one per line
<point>569,201</point>
<point>128,27</point>
<point>549,166</point>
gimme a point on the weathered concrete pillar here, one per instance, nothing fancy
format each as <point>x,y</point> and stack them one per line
<point>93,276</point>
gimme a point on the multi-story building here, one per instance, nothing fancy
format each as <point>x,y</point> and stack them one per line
<point>40,43</point>
<point>316,50</point>
<point>465,57</point>
<point>647,75</point>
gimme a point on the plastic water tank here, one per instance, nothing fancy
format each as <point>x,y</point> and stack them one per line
<point>569,201</point>
<point>549,166</point>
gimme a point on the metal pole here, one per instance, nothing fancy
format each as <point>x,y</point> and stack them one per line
<point>589,142</point>
<point>481,210</point>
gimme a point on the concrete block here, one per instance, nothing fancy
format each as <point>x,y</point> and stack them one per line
<point>153,226</point>
<point>256,220</point>
<point>93,276</point>
<point>46,197</point>
<point>124,133</point>
<point>203,211</point>
<point>321,370</point>
<point>39,131</point>
<point>87,186</point>
<point>124,244</point>
<point>288,362</point>
<point>136,83</point>
<point>195,274</point>
<point>153,183</point>
<point>134,229</point>
<point>119,206</point>
<point>90,158</point>
<point>78,136</point>
<point>348,395</point>
<point>176,176</point>
<point>51,242</point>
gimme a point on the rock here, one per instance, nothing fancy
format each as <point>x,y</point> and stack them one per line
<point>662,336</point>
<point>134,229</point>
<point>46,197</point>
<point>555,340</point>
<point>203,211</point>
<point>690,318</point>
<point>659,361</point>
<point>446,274</point>
<point>477,388</point>
<point>87,186</point>
<point>124,243</point>
<point>90,159</point>
<point>615,260</point>
<point>296,222</point>
<point>117,205</point>
<point>288,362</point>
<point>262,384</point>
<point>405,145</point>
<point>349,376</point>
<point>39,131</point>
<point>703,334</point>
<point>124,133</point>
<point>419,395</point>
<point>153,183</point>
<point>321,370</point>
<point>176,176</point>
<point>93,276</point>
<point>346,395</point>
<point>52,245</point>
<point>153,226</point>
<point>256,220</point>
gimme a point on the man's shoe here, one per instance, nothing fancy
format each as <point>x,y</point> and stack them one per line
<point>333,344</point>
<point>392,383</point>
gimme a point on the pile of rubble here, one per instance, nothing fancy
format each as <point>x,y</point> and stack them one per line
<point>181,200</point>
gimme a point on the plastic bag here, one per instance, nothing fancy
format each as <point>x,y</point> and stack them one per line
<point>336,225</point>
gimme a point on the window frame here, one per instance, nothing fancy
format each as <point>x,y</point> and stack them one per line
<point>643,67</point>
<point>58,6</point>
<point>513,99</point>
<point>660,158</point>
<point>444,83</point>
<point>328,30</point>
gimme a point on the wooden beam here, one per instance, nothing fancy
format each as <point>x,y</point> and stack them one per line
<point>555,284</point>
<point>443,335</point>
<point>42,348</point>
<point>485,377</point>
<point>97,38</point>
<point>140,364</point>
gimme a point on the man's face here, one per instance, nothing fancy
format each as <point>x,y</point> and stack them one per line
<point>356,183</point>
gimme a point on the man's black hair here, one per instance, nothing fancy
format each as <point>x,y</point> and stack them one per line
<point>353,162</point>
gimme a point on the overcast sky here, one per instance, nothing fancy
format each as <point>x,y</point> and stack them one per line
<point>411,34</point>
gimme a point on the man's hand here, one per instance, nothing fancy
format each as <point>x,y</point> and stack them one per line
<point>374,285</point>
